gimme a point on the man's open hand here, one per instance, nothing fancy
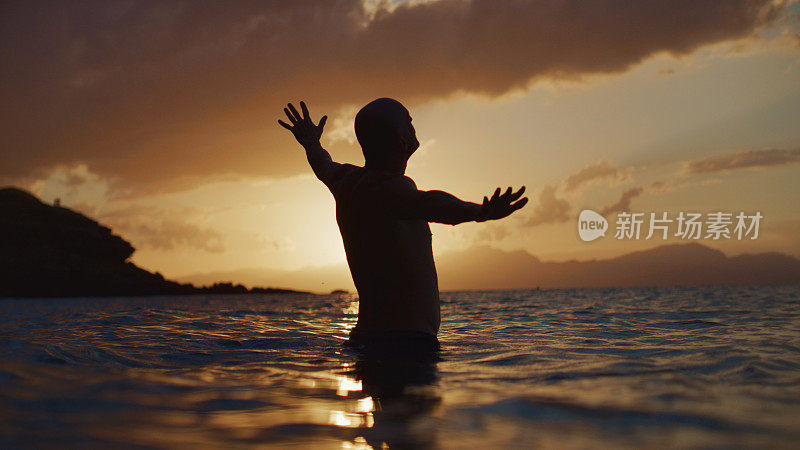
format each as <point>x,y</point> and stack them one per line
<point>500,206</point>
<point>303,129</point>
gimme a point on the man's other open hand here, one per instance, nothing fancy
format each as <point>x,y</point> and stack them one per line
<point>303,129</point>
<point>500,206</point>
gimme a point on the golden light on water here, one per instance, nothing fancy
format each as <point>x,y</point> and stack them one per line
<point>349,319</point>
<point>347,385</point>
<point>358,415</point>
<point>361,415</point>
<point>343,419</point>
<point>358,443</point>
<point>351,308</point>
<point>351,420</point>
<point>365,405</point>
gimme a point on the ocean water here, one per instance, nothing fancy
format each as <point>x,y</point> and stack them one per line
<point>699,367</point>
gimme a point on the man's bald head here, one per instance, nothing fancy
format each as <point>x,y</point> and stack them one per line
<point>384,130</point>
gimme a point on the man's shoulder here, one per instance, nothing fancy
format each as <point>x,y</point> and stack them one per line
<point>405,180</point>
<point>339,175</point>
<point>347,169</point>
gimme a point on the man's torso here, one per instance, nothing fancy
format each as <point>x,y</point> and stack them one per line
<point>390,259</point>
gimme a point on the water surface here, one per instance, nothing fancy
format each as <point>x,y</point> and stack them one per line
<point>647,367</point>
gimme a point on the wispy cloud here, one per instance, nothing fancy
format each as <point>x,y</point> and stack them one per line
<point>76,187</point>
<point>146,227</point>
<point>171,234</point>
<point>600,170</point>
<point>492,232</point>
<point>549,209</point>
<point>753,159</point>
<point>624,201</point>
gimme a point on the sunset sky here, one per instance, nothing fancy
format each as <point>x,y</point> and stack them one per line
<point>159,119</point>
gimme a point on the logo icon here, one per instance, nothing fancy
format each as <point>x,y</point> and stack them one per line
<point>591,225</point>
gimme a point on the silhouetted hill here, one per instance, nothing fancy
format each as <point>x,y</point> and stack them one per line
<point>50,251</point>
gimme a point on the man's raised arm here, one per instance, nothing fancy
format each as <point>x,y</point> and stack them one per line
<point>308,135</point>
<point>440,207</point>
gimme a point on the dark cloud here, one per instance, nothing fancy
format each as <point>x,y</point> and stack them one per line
<point>753,159</point>
<point>154,91</point>
<point>549,209</point>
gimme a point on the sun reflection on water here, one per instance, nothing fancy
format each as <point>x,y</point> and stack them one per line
<point>359,443</point>
<point>361,415</point>
<point>348,420</point>
<point>347,385</point>
<point>351,308</point>
<point>347,321</point>
<point>365,405</point>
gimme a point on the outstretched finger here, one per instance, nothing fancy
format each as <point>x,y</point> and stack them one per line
<point>519,204</point>
<point>294,111</point>
<point>506,195</point>
<point>322,123</point>
<point>290,116</point>
<point>496,194</point>
<point>285,125</point>
<point>518,194</point>
<point>305,110</point>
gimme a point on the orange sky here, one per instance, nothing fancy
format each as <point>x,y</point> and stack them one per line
<point>159,119</point>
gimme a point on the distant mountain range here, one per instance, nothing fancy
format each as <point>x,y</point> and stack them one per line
<point>666,265</point>
<point>50,251</point>
<point>484,267</point>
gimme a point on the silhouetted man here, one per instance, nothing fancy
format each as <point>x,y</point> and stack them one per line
<point>383,219</point>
